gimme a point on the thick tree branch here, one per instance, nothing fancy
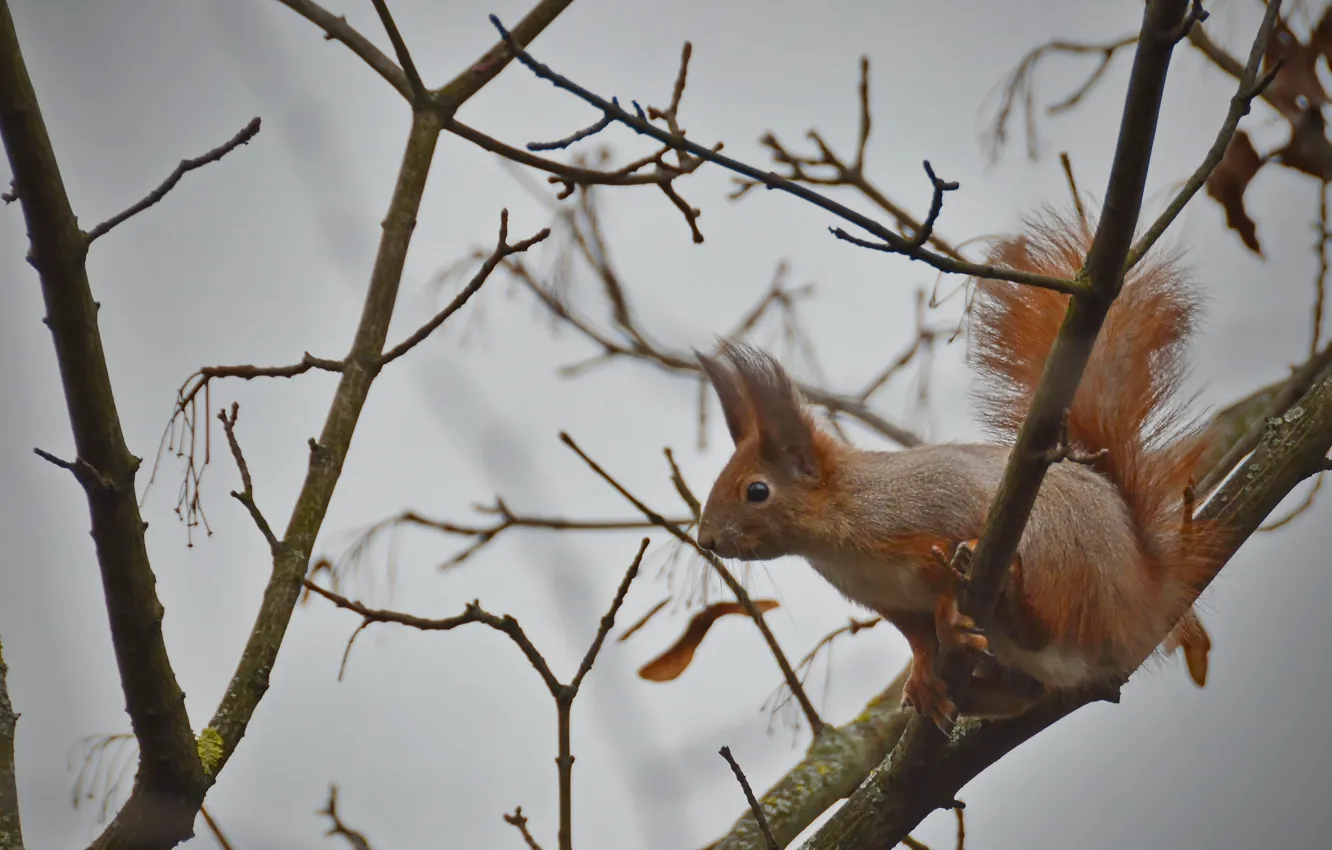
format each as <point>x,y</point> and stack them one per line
<point>902,792</point>
<point>1229,426</point>
<point>250,681</point>
<point>11,832</point>
<point>170,783</point>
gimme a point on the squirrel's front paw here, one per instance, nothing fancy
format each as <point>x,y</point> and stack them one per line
<point>928,695</point>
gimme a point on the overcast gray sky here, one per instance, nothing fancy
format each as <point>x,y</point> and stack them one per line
<point>432,737</point>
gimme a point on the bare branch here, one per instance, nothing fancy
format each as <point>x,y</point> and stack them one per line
<point>840,173</point>
<point>11,832</point>
<point>899,796</point>
<point>1320,280</point>
<point>502,250</point>
<point>249,131</point>
<point>418,88</point>
<point>246,494</point>
<point>816,723</point>
<point>890,240</point>
<point>638,344</point>
<point>58,251</point>
<point>356,839</point>
<point>1067,165</point>
<point>749,797</point>
<point>1249,88</point>
<point>216,829</point>
<point>519,820</point>
<point>1020,85</point>
<point>483,534</point>
<point>564,694</point>
<point>336,28</point>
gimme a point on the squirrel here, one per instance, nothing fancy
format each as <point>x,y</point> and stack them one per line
<point>1109,565</point>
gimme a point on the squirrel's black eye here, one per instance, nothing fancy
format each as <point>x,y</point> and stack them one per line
<point>757,492</point>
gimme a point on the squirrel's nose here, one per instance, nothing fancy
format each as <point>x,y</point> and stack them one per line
<point>707,540</point>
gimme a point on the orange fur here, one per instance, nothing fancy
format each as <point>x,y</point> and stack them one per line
<point>1109,561</point>
<point>1128,404</point>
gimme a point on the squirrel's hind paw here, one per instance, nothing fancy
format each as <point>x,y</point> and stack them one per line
<point>928,695</point>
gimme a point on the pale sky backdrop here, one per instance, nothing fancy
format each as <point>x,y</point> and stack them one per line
<point>432,737</point>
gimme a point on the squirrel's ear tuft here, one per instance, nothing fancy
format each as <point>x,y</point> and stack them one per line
<point>728,391</point>
<point>786,437</point>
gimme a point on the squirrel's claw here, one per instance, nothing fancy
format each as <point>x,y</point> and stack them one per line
<point>957,629</point>
<point>928,695</point>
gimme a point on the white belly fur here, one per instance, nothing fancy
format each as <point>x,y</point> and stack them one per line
<point>893,586</point>
<point>897,586</point>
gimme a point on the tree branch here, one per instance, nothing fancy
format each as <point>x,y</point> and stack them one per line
<point>11,832</point>
<point>414,83</point>
<point>357,840</point>
<point>904,790</point>
<point>837,762</point>
<point>249,131</point>
<point>816,723</point>
<point>246,494</point>
<point>1227,427</point>
<point>564,694</point>
<point>1250,87</point>
<point>502,250</point>
<point>754,806</point>
<point>891,241</point>
<point>170,783</point>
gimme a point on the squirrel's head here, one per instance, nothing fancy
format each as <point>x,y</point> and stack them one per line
<point>770,491</point>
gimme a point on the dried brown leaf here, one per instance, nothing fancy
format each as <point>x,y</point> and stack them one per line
<point>1309,150</point>
<point>671,663</point>
<point>1296,87</point>
<point>1227,184</point>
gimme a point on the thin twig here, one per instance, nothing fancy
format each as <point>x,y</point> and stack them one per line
<point>186,165</point>
<point>891,241</point>
<point>484,534</point>
<point>816,723</point>
<point>246,494</point>
<point>214,828</point>
<point>502,250</point>
<point>355,839</point>
<point>749,797</point>
<point>639,346</point>
<point>418,88</point>
<point>1073,187</point>
<point>519,820</point>
<point>563,694</point>
<point>1304,505</point>
<point>842,173</point>
<point>1250,87</point>
<point>1320,282</point>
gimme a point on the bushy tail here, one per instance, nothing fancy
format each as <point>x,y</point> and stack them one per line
<point>1129,401</point>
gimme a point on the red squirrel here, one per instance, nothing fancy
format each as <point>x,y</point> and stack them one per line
<point>1108,567</point>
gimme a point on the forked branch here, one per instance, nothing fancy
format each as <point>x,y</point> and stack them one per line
<point>639,122</point>
<point>564,694</point>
